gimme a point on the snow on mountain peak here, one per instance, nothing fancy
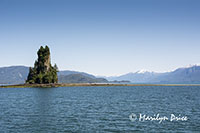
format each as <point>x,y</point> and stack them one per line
<point>142,71</point>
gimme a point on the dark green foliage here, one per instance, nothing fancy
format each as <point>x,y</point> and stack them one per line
<point>43,72</point>
<point>31,76</point>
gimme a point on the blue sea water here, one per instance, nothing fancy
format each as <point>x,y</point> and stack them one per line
<point>98,109</point>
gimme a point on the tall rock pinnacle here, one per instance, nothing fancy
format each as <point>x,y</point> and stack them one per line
<point>43,72</point>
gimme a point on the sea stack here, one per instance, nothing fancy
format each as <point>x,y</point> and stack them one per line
<point>43,72</point>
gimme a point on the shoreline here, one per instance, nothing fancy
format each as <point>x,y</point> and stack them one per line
<point>86,84</point>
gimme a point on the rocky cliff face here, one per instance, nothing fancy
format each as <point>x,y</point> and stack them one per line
<point>43,72</point>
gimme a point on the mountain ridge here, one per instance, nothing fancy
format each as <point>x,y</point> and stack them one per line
<point>18,75</point>
<point>180,75</point>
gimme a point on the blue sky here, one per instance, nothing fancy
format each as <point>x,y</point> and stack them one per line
<point>102,37</point>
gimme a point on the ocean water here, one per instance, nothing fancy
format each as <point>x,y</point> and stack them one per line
<point>100,109</point>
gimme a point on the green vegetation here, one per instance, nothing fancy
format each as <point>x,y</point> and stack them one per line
<point>43,72</point>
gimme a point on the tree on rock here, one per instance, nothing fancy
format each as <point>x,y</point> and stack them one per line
<point>43,72</point>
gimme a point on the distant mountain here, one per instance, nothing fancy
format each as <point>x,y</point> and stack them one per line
<point>18,75</point>
<point>136,77</point>
<point>13,74</point>
<point>180,76</point>
<point>188,75</point>
<point>79,78</point>
<point>67,72</point>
